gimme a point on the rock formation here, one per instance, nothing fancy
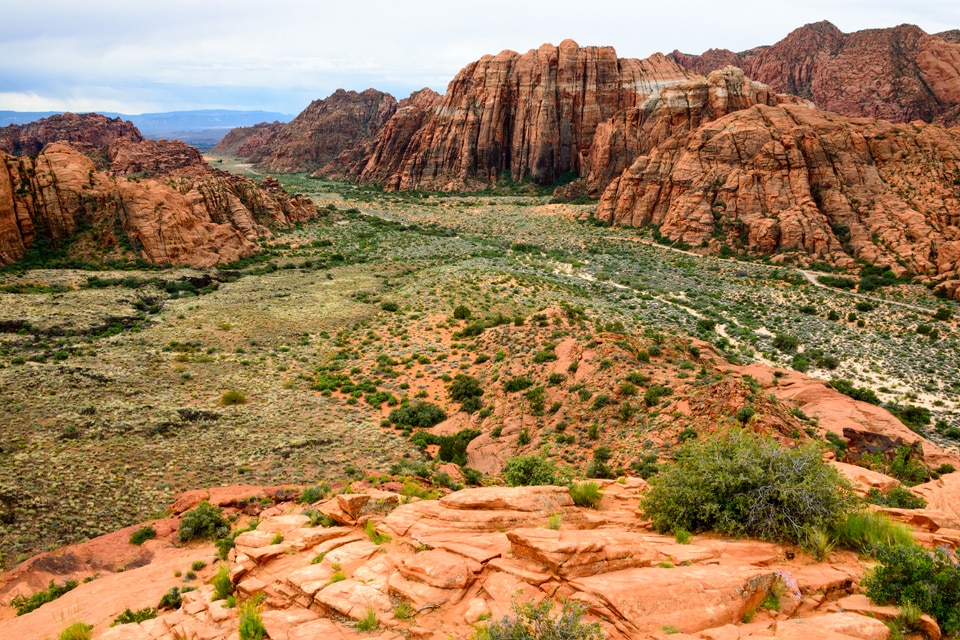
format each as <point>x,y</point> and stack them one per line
<point>794,179</point>
<point>464,558</point>
<point>675,110</point>
<point>84,131</point>
<point>899,74</point>
<point>531,115</point>
<point>160,199</point>
<point>324,130</point>
<point>244,142</point>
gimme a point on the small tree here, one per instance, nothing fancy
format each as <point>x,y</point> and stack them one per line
<point>745,484</point>
<point>205,522</point>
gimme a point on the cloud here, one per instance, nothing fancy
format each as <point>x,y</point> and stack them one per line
<point>246,54</point>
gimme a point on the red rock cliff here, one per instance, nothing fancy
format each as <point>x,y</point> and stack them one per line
<point>84,131</point>
<point>527,115</point>
<point>791,178</point>
<point>324,130</point>
<point>161,196</point>
<point>899,74</point>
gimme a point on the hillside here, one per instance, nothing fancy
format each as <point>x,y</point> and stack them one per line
<point>90,188</point>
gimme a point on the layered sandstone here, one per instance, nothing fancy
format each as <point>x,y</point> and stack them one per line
<point>319,581</point>
<point>324,130</point>
<point>185,214</point>
<point>899,74</point>
<point>675,110</point>
<point>531,115</point>
<point>244,142</point>
<point>793,179</point>
<point>84,131</point>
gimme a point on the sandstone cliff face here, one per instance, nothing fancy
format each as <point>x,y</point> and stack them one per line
<point>187,214</point>
<point>530,116</point>
<point>325,129</point>
<point>794,179</point>
<point>86,131</point>
<point>244,142</point>
<point>676,110</point>
<point>899,74</point>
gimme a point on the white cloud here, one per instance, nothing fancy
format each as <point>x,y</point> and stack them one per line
<point>185,54</point>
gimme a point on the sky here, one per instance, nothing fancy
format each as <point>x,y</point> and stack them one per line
<point>139,57</point>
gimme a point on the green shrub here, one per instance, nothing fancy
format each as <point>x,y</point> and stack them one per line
<point>205,522</point>
<point>53,591</point>
<point>143,534</point>
<point>533,622</point>
<point>389,306</point>
<point>222,584</point>
<point>655,393</point>
<point>531,470</point>
<point>77,631</point>
<point>315,493</point>
<point>232,397</point>
<point>368,622</point>
<point>863,531</point>
<point>857,393</point>
<point>746,484</point>
<point>171,599</point>
<point>375,536</point>
<point>899,497</point>
<point>462,312</point>
<point>785,343</point>
<point>928,579</point>
<point>134,617</point>
<point>464,387</point>
<point>251,624</point>
<point>586,494</point>
<point>418,414</point>
<point>517,384</point>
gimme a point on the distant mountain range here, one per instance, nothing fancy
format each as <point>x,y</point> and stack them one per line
<point>201,128</point>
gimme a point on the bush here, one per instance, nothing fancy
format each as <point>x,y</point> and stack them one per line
<point>134,617</point>
<point>531,470</point>
<point>77,631</point>
<point>928,579</point>
<point>418,414</point>
<point>533,622</point>
<point>313,494</point>
<point>205,522</point>
<point>864,531</point>
<point>785,343</point>
<point>143,534</point>
<point>222,584</point>
<point>857,393</point>
<point>462,312</point>
<point>746,484</point>
<point>586,494</point>
<point>251,624</point>
<point>53,591</point>
<point>899,497</point>
<point>232,398</point>
<point>389,306</point>
<point>517,384</point>
<point>464,388</point>
<point>171,599</point>
<point>654,394</point>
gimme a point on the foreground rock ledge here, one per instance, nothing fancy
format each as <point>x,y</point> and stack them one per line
<point>465,558</point>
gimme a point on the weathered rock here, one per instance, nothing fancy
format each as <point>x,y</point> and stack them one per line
<point>244,142</point>
<point>572,554</point>
<point>701,597</point>
<point>186,213</point>
<point>793,179</point>
<point>83,131</point>
<point>899,74</point>
<point>325,130</point>
<point>527,115</point>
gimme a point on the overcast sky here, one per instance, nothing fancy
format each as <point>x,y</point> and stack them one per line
<point>136,57</point>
